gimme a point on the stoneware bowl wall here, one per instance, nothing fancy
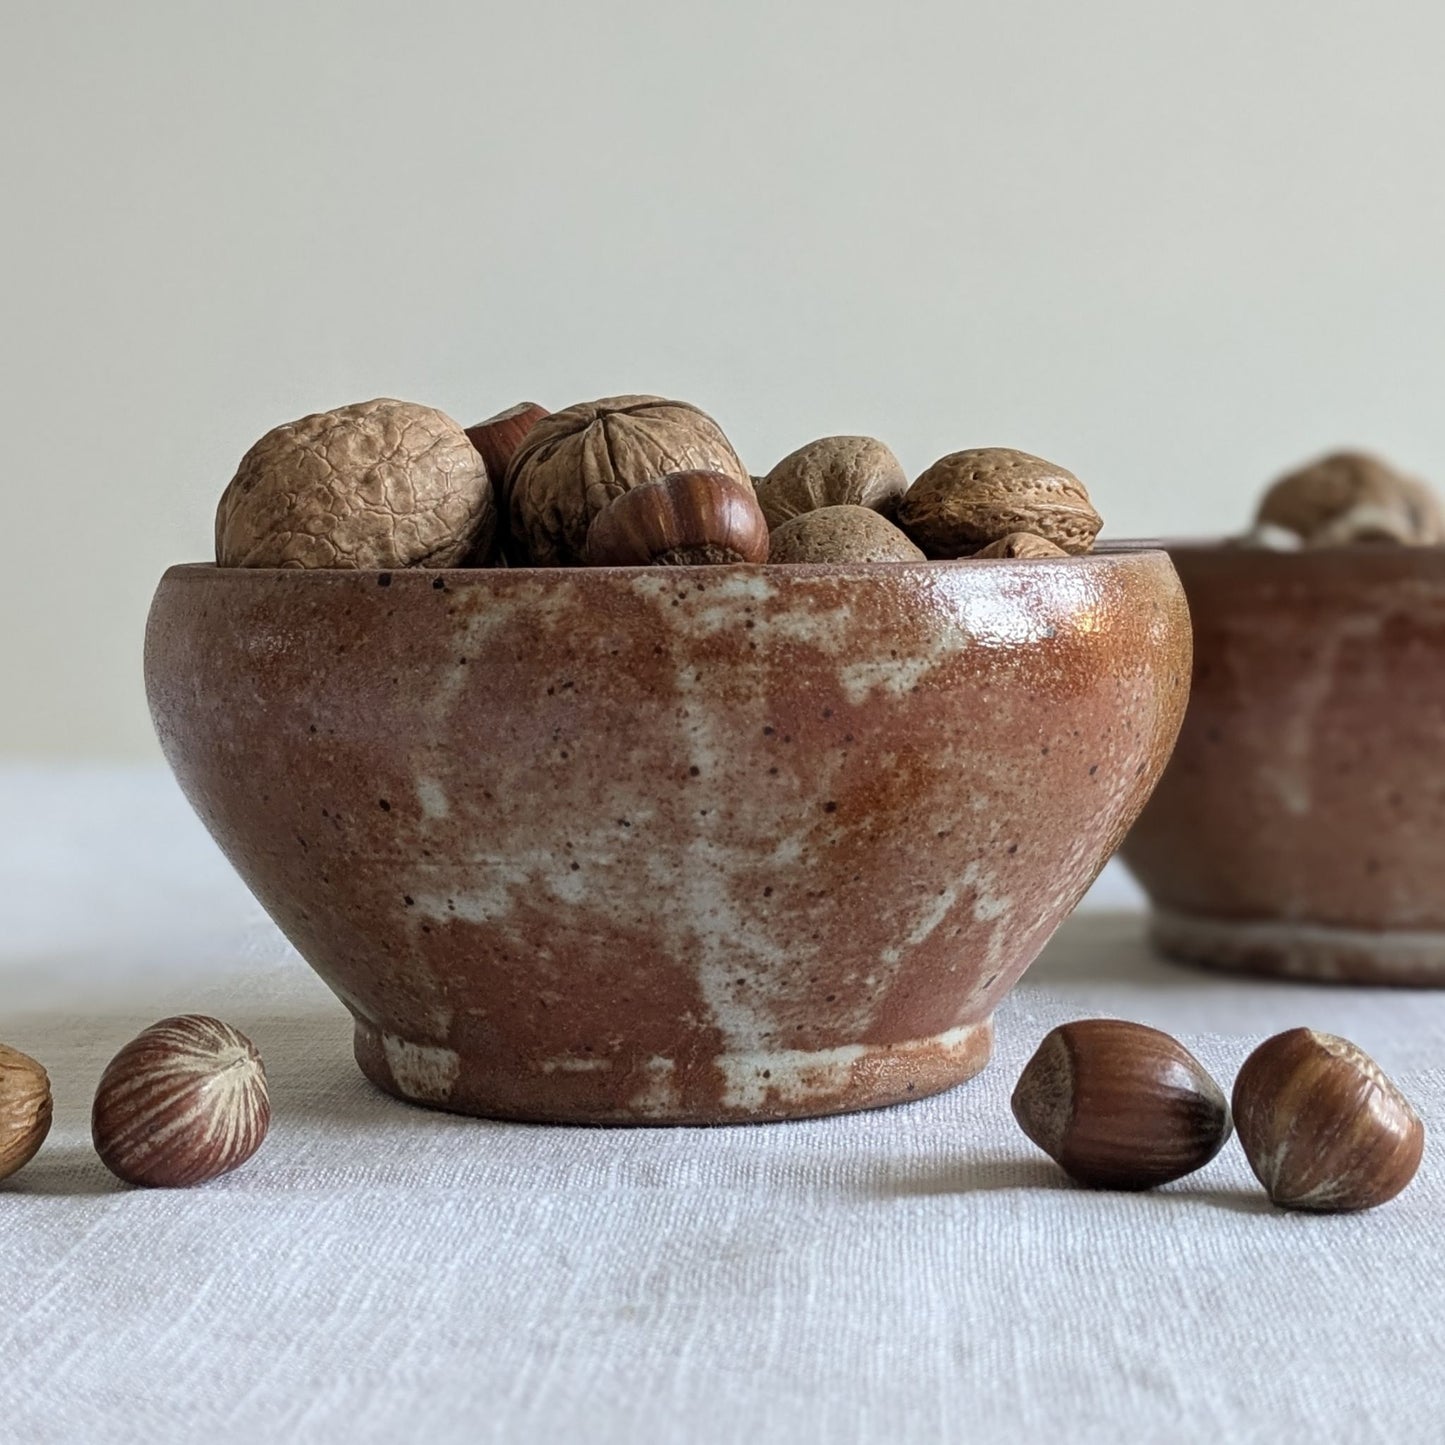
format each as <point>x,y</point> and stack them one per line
<point>671,844</point>
<point>1300,828</point>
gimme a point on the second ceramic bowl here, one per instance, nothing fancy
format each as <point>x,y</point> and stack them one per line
<point>1300,827</point>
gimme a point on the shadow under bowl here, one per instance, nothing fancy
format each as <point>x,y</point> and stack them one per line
<point>1299,829</point>
<point>670,845</point>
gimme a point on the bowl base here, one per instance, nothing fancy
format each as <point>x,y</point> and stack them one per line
<point>761,1087</point>
<point>1314,952</point>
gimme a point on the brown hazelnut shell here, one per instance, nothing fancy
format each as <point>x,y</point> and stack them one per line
<point>1322,1127</point>
<point>1119,1105</point>
<point>497,439</point>
<point>683,519</point>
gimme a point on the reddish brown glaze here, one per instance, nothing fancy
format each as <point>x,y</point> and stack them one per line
<point>685,844</point>
<point>1300,828</point>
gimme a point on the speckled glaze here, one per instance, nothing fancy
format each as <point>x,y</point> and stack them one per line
<point>675,844</point>
<point>1300,828</point>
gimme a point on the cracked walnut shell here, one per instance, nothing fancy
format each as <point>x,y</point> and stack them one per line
<point>574,462</point>
<point>382,483</point>
<point>969,499</point>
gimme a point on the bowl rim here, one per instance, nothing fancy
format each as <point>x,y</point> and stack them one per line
<point>1111,552</point>
<point>1362,559</point>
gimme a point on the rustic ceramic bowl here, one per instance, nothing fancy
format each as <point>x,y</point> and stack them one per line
<point>1300,828</point>
<point>670,845</point>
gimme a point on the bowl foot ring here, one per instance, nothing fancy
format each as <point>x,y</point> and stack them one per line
<point>733,1088</point>
<point>1314,952</point>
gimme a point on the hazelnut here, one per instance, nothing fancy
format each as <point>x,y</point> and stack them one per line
<point>25,1109</point>
<point>841,534</point>
<point>685,519</point>
<point>1352,497</point>
<point>1021,544</point>
<point>832,472</point>
<point>497,439</point>
<point>383,483</point>
<point>574,462</point>
<point>968,499</point>
<point>183,1102</point>
<point>1322,1127</point>
<point>1120,1106</point>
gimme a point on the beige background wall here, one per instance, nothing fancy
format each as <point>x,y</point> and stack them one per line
<point>1174,247</point>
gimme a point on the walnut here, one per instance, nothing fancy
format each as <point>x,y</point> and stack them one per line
<point>841,534</point>
<point>832,472</point>
<point>1021,544</point>
<point>574,462</point>
<point>379,484</point>
<point>1351,497</point>
<point>968,499</point>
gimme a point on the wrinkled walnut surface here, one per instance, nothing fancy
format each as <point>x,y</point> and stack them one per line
<point>574,462</point>
<point>841,534</point>
<point>832,472</point>
<point>1352,497</point>
<point>378,484</point>
<point>968,499</point>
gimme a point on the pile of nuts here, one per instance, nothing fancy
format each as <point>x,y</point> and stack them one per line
<point>1121,1106</point>
<point>1343,499</point>
<point>625,481</point>
<point>183,1103</point>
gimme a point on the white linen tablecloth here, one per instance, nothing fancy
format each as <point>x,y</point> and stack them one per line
<point>381,1273</point>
